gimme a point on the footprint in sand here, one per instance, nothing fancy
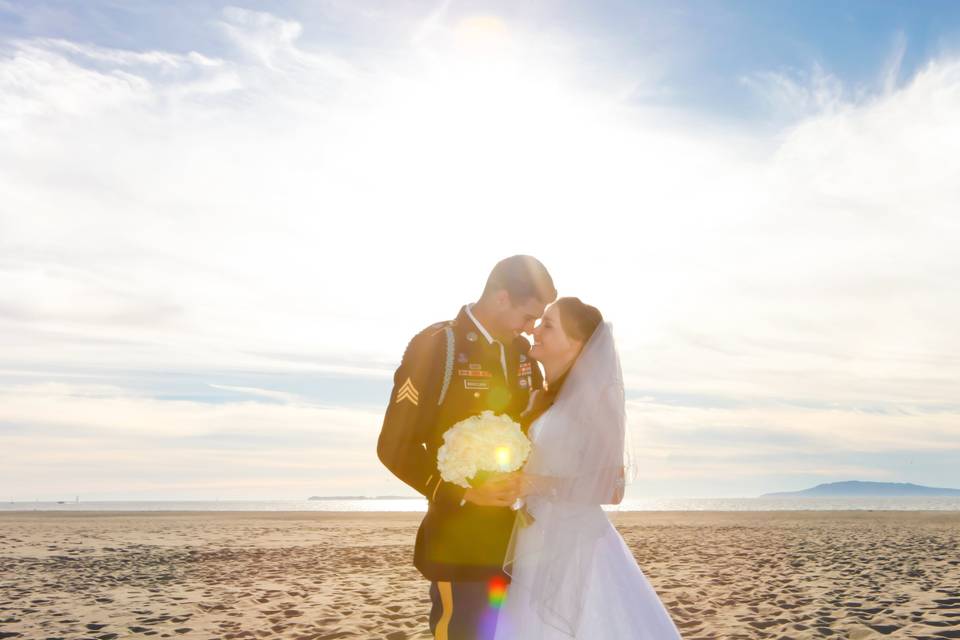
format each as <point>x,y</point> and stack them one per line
<point>885,629</point>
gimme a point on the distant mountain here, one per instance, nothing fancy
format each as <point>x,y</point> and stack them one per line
<point>858,488</point>
<point>363,498</point>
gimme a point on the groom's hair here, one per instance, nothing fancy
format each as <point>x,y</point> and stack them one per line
<point>523,277</point>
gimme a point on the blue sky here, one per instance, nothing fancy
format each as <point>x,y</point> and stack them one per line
<point>206,209</point>
<point>708,46</point>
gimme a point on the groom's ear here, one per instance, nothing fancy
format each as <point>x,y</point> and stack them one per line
<point>502,299</point>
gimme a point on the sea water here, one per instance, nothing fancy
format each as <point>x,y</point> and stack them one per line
<point>419,504</point>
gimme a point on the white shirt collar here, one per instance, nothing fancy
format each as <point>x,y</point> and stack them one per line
<point>483,329</point>
<point>490,340</point>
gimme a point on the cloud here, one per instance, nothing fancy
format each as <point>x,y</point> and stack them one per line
<point>271,43</point>
<point>163,60</point>
<point>263,393</point>
<point>798,94</point>
<point>302,204</point>
<point>775,430</point>
<point>891,71</point>
<point>100,440</point>
<point>106,409</point>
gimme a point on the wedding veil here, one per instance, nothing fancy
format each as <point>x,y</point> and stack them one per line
<point>579,461</point>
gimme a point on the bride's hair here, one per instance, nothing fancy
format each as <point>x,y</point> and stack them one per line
<point>579,319</point>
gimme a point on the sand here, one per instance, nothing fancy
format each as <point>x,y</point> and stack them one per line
<point>337,575</point>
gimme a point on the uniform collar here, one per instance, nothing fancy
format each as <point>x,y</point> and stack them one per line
<point>482,329</point>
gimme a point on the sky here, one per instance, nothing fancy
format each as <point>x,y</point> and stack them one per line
<point>220,224</point>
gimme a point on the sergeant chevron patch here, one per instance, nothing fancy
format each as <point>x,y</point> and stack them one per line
<point>408,392</point>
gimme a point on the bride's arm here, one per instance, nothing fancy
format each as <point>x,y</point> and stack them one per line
<point>583,454</point>
<point>539,485</point>
<point>558,487</point>
<point>618,491</point>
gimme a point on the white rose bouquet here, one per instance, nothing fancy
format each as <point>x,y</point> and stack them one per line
<point>483,443</point>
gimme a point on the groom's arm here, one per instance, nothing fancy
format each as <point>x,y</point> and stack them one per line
<point>410,418</point>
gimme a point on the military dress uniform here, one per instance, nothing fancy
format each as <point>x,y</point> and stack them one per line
<point>451,371</point>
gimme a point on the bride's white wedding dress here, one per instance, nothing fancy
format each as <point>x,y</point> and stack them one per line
<point>572,574</point>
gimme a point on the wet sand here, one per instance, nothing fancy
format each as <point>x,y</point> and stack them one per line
<point>348,575</point>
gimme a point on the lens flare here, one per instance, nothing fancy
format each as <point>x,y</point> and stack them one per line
<point>496,592</point>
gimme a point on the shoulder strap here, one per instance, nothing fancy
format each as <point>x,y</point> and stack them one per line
<point>448,368</point>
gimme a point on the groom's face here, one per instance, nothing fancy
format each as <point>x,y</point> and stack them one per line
<point>517,318</point>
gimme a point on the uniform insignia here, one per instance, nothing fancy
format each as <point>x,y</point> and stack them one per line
<point>472,373</point>
<point>462,358</point>
<point>523,382</point>
<point>525,370</point>
<point>472,337</point>
<point>408,392</point>
<point>475,384</point>
<point>476,366</point>
<point>523,357</point>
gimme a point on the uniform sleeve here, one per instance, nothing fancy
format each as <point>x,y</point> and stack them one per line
<point>409,418</point>
<point>535,404</point>
<point>536,379</point>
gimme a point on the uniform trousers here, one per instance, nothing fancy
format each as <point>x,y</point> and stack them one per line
<point>463,611</point>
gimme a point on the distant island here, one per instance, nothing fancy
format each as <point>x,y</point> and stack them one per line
<point>858,488</point>
<point>365,498</point>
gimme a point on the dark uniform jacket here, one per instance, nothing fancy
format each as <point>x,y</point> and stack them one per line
<point>457,540</point>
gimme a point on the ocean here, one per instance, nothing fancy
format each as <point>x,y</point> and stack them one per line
<point>418,504</point>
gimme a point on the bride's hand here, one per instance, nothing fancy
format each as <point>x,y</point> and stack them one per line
<point>526,485</point>
<point>499,491</point>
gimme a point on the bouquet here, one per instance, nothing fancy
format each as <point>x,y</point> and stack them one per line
<point>483,443</point>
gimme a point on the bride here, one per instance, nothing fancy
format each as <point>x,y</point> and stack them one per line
<point>572,574</point>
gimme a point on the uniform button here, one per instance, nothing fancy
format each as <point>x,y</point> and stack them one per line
<point>476,394</point>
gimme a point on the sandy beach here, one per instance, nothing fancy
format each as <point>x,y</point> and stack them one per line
<point>348,575</point>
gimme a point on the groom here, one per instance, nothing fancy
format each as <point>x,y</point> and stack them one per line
<point>450,371</point>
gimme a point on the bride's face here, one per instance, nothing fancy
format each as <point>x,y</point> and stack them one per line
<point>551,345</point>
